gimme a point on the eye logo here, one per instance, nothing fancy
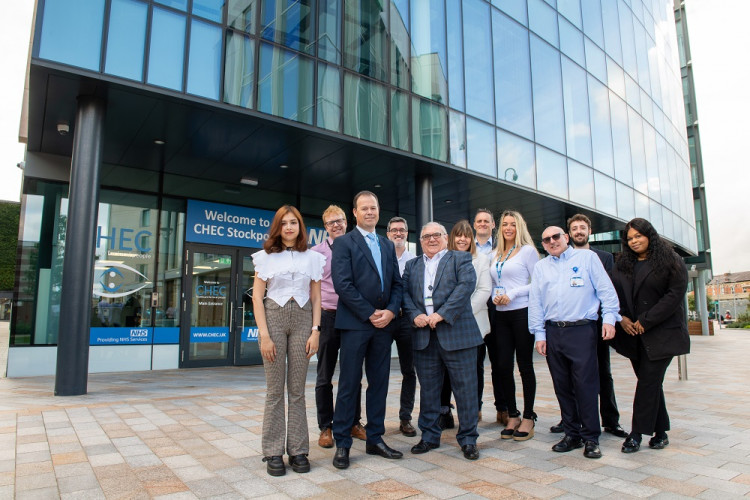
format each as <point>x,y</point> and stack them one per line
<point>115,279</point>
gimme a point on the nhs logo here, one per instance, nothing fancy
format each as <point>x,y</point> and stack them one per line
<point>138,332</point>
<point>250,334</point>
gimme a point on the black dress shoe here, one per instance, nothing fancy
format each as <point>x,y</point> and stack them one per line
<point>341,458</point>
<point>470,451</point>
<point>407,429</point>
<point>631,445</point>
<point>383,450</point>
<point>616,430</point>
<point>423,447</point>
<point>592,450</point>
<point>557,429</point>
<point>299,463</point>
<point>658,443</point>
<point>275,465</point>
<point>446,420</point>
<point>567,443</point>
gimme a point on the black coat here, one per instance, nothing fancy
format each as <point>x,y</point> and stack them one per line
<point>658,302</point>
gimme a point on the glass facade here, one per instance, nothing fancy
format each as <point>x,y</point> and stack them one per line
<point>564,97</point>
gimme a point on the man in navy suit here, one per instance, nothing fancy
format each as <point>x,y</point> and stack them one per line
<point>365,276</point>
<point>437,299</point>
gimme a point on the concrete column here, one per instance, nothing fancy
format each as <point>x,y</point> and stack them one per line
<point>700,300</point>
<point>78,267</point>
<point>423,188</point>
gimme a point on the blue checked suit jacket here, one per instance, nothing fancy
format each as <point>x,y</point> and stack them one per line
<point>451,296</point>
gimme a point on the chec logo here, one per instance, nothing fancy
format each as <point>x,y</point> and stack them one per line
<point>115,279</point>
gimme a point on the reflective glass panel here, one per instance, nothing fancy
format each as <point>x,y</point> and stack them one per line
<point>429,67</point>
<point>652,162</point>
<point>288,22</point>
<point>575,96</point>
<point>285,84</point>
<point>512,77</point>
<point>606,197</point>
<point>611,22</point>
<point>515,160</point>
<point>429,129</point>
<point>551,173</point>
<point>592,20</point>
<point>571,42</point>
<point>581,183</point>
<point>601,130</point>
<point>514,8</point>
<point>571,9</point>
<point>126,39</point>
<point>543,21</point>
<point>365,38</point>
<point>329,97</point>
<point>625,202</point>
<point>615,78</point>
<point>641,205</point>
<point>629,61</point>
<point>400,41</point>
<point>664,174</point>
<point>455,56</point>
<point>641,52</point>
<point>204,61</point>
<point>480,139</point>
<point>400,121</point>
<point>72,32</point>
<point>637,154</point>
<point>633,93</point>
<point>329,30</point>
<point>175,4</point>
<point>239,76</point>
<point>655,214</point>
<point>241,14</point>
<point>212,10</point>
<point>596,61</point>
<point>477,61</point>
<point>167,50</point>
<point>457,139</point>
<point>620,139</point>
<point>548,100</point>
<point>365,109</point>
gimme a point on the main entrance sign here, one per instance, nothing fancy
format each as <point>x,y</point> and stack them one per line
<point>219,224</point>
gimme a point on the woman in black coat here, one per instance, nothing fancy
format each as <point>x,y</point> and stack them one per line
<point>651,281</point>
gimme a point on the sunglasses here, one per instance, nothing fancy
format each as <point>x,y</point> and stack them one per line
<point>554,237</point>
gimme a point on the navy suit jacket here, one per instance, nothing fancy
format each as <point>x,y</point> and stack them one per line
<point>451,297</point>
<point>607,260</point>
<point>357,283</point>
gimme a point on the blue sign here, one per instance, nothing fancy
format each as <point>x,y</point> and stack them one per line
<point>167,335</point>
<point>230,225</point>
<point>250,334</point>
<point>120,335</point>
<point>201,334</point>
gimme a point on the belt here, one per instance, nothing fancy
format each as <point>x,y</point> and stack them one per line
<point>567,324</point>
<point>329,311</point>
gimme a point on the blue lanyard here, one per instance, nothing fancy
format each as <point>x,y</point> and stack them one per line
<point>499,265</point>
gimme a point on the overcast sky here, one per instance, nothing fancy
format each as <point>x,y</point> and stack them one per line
<point>719,44</point>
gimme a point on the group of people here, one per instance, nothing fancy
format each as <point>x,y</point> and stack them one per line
<point>472,293</point>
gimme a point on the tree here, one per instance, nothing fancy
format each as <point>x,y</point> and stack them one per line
<point>9,217</point>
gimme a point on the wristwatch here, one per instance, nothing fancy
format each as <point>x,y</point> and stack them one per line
<point>316,328</point>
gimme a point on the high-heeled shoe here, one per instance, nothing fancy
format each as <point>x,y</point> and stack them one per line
<point>525,436</point>
<point>508,432</point>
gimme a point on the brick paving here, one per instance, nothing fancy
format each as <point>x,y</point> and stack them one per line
<point>184,434</point>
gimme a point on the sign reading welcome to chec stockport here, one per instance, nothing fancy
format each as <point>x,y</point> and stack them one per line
<point>218,224</point>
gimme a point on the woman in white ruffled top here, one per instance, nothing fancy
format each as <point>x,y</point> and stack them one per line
<point>286,303</point>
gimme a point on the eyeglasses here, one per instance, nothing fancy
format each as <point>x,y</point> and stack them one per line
<point>397,231</point>
<point>337,222</point>
<point>554,237</point>
<point>433,236</point>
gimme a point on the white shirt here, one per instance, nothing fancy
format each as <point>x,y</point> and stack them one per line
<point>515,276</point>
<point>405,257</point>
<point>288,274</point>
<point>430,271</point>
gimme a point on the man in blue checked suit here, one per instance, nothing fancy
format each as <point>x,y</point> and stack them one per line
<point>437,299</point>
<point>365,274</point>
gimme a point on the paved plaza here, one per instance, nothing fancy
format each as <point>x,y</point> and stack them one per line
<point>184,434</point>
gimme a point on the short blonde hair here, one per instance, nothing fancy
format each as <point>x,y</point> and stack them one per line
<point>333,210</point>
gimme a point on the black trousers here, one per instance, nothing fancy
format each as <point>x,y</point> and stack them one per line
<point>607,402</point>
<point>511,330</point>
<point>649,407</point>
<point>492,354</point>
<point>571,357</point>
<point>402,337</point>
<point>328,353</point>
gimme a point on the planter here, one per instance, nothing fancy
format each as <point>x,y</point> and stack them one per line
<point>694,328</point>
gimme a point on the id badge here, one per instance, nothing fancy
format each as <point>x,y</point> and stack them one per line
<point>499,291</point>
<point>428,301</point>
<point>576,281</point>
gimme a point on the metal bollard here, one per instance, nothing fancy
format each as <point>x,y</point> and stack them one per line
<point>682,367</point>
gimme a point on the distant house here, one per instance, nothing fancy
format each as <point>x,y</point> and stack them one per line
<point>731,290</point>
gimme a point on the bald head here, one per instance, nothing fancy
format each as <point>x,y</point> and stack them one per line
<point>554,240</point>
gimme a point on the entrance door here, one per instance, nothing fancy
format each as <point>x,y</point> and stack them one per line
<point>217,316</point>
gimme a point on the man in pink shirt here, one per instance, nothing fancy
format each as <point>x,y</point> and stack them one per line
<point>334,220</point>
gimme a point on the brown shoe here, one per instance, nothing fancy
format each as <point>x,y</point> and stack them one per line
<point>407,429</point>
<point>326,438</point>
<point>502,417</point>
<point>479,417</point>
<point>358,431</point>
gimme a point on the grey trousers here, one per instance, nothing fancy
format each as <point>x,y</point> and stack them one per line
<point>289,328</point>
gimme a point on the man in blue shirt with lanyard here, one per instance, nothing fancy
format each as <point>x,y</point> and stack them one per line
<point>567,289</point>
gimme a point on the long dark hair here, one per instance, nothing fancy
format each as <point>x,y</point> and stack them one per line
<point>661,255</point>
<point>274,244</point>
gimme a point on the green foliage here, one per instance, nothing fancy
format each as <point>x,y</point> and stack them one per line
<point>9,217</point>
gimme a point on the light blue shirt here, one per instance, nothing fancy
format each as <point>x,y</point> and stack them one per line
<point>570,288</point>
<point>486,249</point>
<point>373,243</point>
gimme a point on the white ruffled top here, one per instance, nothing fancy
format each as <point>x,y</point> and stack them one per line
<point>288,274</point>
